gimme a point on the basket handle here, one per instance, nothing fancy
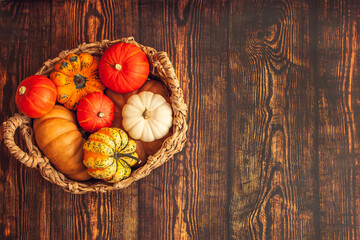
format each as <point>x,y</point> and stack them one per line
<point>166,71</point>
<point>33,156</point>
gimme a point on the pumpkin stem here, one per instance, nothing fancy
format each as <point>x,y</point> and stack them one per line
<point>100,114</point>
<point>22,90</point>
<point>119,155</point>
<point>80,81</point>
<point>146,114</point>
<point>118,67</point>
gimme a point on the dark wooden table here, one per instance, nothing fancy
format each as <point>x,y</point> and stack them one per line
<point>273,89</point>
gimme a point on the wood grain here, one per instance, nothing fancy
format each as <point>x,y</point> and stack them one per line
<point>273,92</point>
<point>338,131</point>
<point>272,121</point>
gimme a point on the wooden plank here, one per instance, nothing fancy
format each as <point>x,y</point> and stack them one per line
<point>112,215</point>
<point>338,81</point>
<point>24,44</point>
<point>186,197</point>
<point>271,191</point>
<point>90,21</point>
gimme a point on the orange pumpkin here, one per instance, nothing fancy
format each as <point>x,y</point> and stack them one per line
<point>35,96</point>
<point>75,77</point>
<point>143,149</point>
<point>124,67</point>
<point>58,137</point>
<point>95,111</point>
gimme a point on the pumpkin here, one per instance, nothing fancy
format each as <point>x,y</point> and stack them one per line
<point>95,111</point>
<point>75,77</point>
<point>143,149</point>
<point>147,116</point>
<point>123,68</point>
<point>35,96</point>
<point>58,137</point>
<point>109,155</point>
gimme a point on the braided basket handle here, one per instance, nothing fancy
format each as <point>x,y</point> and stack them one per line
<point>33,156</point>
<point>166,70</point>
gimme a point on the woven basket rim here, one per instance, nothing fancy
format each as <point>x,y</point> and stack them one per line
<point>160,67</point>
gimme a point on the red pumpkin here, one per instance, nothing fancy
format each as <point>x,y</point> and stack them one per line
<point>123,68</point>
<point>35,96</point>
<point>95,111</point>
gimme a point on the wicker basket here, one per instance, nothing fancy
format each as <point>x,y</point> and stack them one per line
<point>160,68</point>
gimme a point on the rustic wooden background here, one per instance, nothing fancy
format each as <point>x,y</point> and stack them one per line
<point>274,109</point>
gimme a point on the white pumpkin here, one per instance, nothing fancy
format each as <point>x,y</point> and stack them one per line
<point>147,116</point>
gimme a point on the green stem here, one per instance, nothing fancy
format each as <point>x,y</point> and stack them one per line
<point>119,155</point>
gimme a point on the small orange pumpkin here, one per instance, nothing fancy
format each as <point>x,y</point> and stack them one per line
<point>35,96</point>
<point>75,77</point>
<point>124,67</point>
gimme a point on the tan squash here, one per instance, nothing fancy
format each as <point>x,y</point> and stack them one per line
<point>58,137</point>
<point>144,149</point>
